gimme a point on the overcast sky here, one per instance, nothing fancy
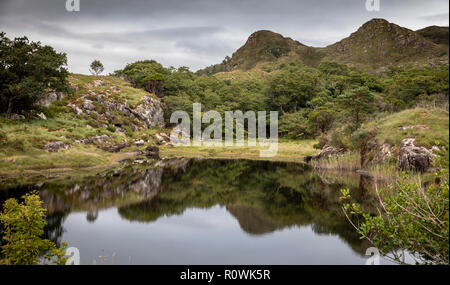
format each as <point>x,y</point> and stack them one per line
<point>195,33</point>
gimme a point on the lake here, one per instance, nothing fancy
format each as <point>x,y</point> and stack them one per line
<point>200,211</point>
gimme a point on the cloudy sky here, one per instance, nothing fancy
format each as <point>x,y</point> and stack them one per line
<point>195,33</point>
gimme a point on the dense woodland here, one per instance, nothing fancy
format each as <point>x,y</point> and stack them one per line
<point>310,100</point>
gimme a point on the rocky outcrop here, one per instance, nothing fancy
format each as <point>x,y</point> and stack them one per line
<point>411,157</point>
<point>16,117</point>
<point>76,109</point>
<point>56,146</point>
<point>327,152</point>
<point>42,116</point>
<point>151,152</point>
<point>174,164</point>
<point>115,147</point>
<point>150,112</point>
<point>99,139</point>
<point>46,99</point>
<point>383,154</point>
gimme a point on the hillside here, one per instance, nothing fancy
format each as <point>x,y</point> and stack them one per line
<point>378,44</point>
<point>414,132</point>
<point>374,46</point>
<point>267,46</point>
<point>430,127</point>
<point>436,34</point>
<point>85,129</point>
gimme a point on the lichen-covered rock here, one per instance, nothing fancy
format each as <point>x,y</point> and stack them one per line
<point>41,116</point>
<point>45,100</point>
<point>16,117</point>
<point>327,152</point>
<point>99,139</point>
<point>88,105</point>
<point>76,109</point>
<point>411,157</point>
<point>150,112</point>
<point>56,146</point>
<point>151,152</point>
<point>98,83</point>
<point>384,153</point>
<point>139,142</point>
<point>114,147</point>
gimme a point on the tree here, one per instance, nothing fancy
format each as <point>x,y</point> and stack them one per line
<point>27,70</point>
<point>294,124</point>
<point>154,84</point>
<point>364,142</point>
<point>322,118</point>
<point>357,103</point>
<point>23,227</point>
<point>96,67</point>
<point>291,89</point>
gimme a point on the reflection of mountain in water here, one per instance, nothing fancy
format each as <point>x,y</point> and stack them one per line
<point>262,196</point>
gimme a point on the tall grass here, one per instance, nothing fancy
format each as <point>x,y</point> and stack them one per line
<point>348,162</point>
<point>385,173</point>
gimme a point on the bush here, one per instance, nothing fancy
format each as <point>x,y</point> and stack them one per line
<point>23,227</point>
<point>337,140</point>
<point>27,70</point>
<point>412,219</point>
<point>3,138</point>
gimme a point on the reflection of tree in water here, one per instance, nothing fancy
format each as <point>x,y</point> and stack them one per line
<point>262,196</point>
<point>54,228</point>
<point>91,216</point>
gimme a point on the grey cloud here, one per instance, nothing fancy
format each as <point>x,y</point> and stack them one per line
<point>438,17</point>
<point>195,33</point>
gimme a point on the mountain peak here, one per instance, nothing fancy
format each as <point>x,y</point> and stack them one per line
<point>376,45</point>
<point>379,43</point>
<point>438,35</point>
<point>263,46</point>
<point>376,21</point>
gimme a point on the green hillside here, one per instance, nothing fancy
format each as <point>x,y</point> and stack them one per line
<point>22,142</point>
<point>430,127</point>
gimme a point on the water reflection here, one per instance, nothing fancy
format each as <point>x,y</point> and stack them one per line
<point>272,202</point>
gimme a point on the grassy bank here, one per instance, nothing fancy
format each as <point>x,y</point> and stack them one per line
<point>430,127</point>
<point>288,150</point>
<point>22,141</point>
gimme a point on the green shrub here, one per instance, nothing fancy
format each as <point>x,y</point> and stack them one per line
<point>411,219</point>
<point>111,128</point>
<point>23,225</point>
<point>337,140</point>
<point>3,138</point>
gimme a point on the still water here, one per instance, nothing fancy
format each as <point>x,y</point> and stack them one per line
<point>190,211</point>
